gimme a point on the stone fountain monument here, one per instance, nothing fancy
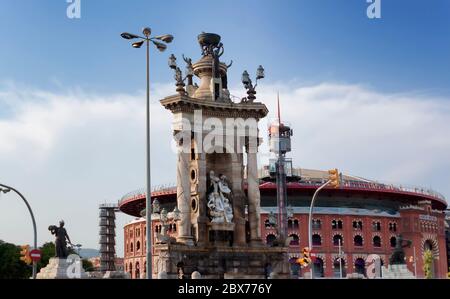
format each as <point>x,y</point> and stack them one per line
<point>219,233</point>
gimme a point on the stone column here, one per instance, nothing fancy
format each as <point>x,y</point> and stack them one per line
<point>238,201</point>
<point>202,219</point>
<point>184,196</point>
<point>253,194</point>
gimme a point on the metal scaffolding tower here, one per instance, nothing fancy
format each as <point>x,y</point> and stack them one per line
<point>107,236</point>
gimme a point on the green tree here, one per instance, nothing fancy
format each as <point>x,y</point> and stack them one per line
<point>10,264</point>
<point>428,264</point>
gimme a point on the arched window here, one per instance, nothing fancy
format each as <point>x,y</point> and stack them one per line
<point>360,266</point>
<point>338,267</point>
<point>337,240</point>
<point>138,246</point>
<point>392,226</point>
<point>130,269</point>
<point>296,224</point>
<point>131,247</point>
<point>358,225</point>
<point>428,245</point>
<point>174,227</point>
<point>376,225</point>
<point>316,224</point>
<point>137,273</point>
<point>393,241</point>
<point>358,241</point>
<point>318,267</point>
<point>295,240</point>
<point>336,224</point>
<point>270,239</point>
<point>376,241</point>
<point>316,240</point>
<point>290,224</point>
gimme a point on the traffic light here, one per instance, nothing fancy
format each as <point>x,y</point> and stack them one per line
<point>334,177</point>
<point>306,259</point>
<point>25,254</point>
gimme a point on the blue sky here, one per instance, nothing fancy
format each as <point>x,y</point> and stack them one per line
<point>311,41</point>
<point>72,95</point>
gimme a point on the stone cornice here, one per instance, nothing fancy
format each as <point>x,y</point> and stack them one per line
<point>183,103</point>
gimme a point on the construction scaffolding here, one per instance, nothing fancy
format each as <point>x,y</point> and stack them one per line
<point>107,235</point>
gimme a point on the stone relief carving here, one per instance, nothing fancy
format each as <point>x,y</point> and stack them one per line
<point>219,205</point>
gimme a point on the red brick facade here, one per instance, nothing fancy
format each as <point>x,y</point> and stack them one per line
<point>421,232</point>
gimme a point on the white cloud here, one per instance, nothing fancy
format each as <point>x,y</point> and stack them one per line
<point>393,137</point>
<point>69,151</point>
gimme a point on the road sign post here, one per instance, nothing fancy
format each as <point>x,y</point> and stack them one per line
<point>35,255</point>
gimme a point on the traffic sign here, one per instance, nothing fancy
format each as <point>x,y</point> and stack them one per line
<point>35,255</point>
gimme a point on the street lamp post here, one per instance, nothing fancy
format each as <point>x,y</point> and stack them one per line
<point>6,189</point>
<point>167,38</point>
<point>310,221</point>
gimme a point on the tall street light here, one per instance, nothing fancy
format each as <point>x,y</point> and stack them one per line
<point>6,189</point>
<point>159,41</point>
<point>334,180</point>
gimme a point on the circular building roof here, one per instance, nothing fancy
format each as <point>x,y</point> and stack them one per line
<point>354,189</point>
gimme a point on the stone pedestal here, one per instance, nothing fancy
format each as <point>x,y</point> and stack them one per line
<point>222,262</point>
<point>355,276</point>
<point>116,275</point>
<point>397,272</point>
<point>62,269</point>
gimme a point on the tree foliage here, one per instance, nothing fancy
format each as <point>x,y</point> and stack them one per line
<point>428,264</point>
<point>11,267</point>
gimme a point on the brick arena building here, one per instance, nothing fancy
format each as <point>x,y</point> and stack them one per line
<point>364,217</point>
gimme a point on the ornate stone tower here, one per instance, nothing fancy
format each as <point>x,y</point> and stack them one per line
<point>219,231</point>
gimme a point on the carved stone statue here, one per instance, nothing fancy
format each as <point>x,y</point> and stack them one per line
<point>398,256</point>
<point>188,61</point>
<point>217,52</point>
<point>163,236</point>
<point>220,209</point>
<point>60,241</point>
<point>178,76</point>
